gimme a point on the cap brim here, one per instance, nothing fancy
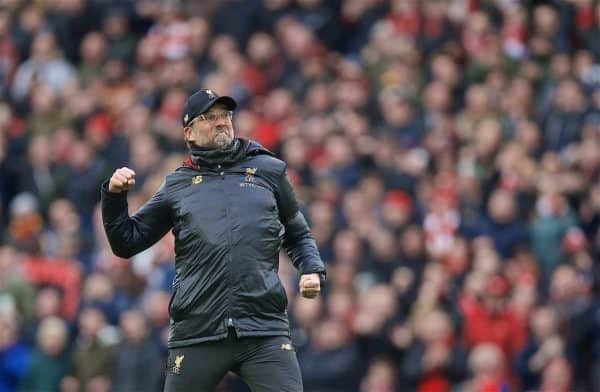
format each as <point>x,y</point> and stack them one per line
<point>229,103</point>
<point>189,115</point>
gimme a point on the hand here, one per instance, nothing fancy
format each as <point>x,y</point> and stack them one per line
<point>310,285</point>
<point>121,180</point>
<point>553,347</point>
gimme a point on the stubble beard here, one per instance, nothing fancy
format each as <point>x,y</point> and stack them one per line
<point>222,140</point>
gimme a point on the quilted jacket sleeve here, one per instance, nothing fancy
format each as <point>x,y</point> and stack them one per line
<point>297,241</point>
<point>130,235</point>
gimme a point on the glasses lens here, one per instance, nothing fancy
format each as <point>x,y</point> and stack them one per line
<point>214,116</point>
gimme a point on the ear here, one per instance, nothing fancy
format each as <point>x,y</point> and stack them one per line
<point>187,133</point>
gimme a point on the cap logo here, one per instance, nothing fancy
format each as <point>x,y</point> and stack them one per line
<point>185,119</point>
<point>211,94</point>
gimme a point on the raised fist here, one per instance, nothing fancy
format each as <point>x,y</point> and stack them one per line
<point>121,180</point>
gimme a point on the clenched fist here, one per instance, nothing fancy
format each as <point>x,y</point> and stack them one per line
<point>121,180</point>
<point>310,285</point>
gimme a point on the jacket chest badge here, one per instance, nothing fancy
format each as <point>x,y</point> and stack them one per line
<point>196,180</point>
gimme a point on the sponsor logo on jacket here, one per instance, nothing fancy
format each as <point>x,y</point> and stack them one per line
<point>249,178</point>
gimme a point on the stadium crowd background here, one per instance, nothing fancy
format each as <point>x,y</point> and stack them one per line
<point>447,153</point>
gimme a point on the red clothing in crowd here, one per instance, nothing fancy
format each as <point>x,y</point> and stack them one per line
<point>491,385</point>
<point>482,326</point>
<point>435,381</point>
<point>267,132</point>
<point>406,24</point>
<point>63,274</point>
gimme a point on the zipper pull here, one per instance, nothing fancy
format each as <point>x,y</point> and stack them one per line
<point>230,322</point>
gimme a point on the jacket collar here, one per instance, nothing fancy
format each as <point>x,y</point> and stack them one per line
<point>253,148</point>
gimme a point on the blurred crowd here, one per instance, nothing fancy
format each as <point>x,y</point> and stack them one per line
<point>447,153</point>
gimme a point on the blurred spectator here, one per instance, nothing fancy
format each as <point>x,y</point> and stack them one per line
<point>121,41</point>
<point>553,220</point>
<point>589,14</point>
<point>306,314</point>
<point>137,363</point>
<point>549,33</point>
<point>99,292</point>
<point>30,22</point>
<point>9,56</point>
<point>170,33</point>
<point>375,307</point>
<point>434,360</point>
<point>329,364</point>
<point>380,377</point>
<point>557,376</point>
<point>25,224</point>
<point>488,366</point>
<point>47,304</point>
<point>156,310</point>
<point>16,293</point>
<point>93,54</point>
<point>49,361</point>
<point>401,119</point>
<point>562,124</point>
<point>502,223</point>
<point>93,355</point>
<point>490,320</point>
<point>570,300</point>
<point>63,222</point>
<point>38,174</point>
<point>63,274</point>
<point>546,345</point>
<point>46,115</point>
<point>81,179</point>
<point>15,357</point>
<point>44,66</point>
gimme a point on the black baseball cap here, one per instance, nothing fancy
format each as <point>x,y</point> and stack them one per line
<point>201,101</point>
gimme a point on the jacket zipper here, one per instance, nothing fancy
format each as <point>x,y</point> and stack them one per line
<point>228,315</point>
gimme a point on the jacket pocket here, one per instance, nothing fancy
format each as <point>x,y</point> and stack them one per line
<point>174,305</point>
<point>282,299</point>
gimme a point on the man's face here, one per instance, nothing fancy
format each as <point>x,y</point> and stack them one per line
<point>213,129</point>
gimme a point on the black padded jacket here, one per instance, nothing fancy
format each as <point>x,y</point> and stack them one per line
<point>229,223</point>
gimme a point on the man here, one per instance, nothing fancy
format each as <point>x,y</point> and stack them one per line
<point>230,207</point>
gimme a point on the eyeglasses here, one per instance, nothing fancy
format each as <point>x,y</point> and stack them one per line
<point>214,116</point>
